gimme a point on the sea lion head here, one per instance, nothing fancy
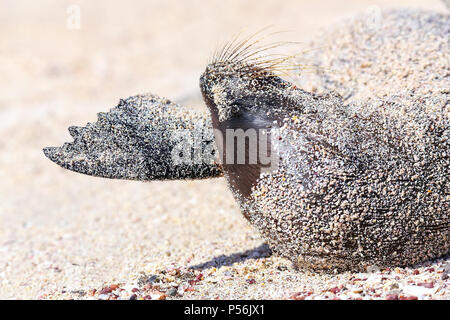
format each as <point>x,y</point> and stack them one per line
<point>236,92</point>
<point>247,100</point>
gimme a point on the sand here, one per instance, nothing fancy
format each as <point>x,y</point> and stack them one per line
<point>69,236</point>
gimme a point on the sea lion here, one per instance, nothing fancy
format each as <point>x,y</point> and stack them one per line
<point>348,186</point>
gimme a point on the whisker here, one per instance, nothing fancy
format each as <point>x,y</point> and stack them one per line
<point>247,39</point>
<point>252,55</point>
<point>242,51</point>
<point>225,54</point>
<point>263,49</point>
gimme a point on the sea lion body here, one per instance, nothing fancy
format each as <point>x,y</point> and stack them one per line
<point>351,190</point>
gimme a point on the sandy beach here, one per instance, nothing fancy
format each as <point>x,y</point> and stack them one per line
<point>68,236</point>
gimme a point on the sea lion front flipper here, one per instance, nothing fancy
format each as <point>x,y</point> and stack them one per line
<point>143,138</point>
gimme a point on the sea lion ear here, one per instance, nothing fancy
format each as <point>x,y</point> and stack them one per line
<point>143,138</point>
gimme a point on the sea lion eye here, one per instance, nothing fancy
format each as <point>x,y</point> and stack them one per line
<point>235,106</point>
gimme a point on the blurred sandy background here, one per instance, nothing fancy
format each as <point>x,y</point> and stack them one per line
<point>61,231</point>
